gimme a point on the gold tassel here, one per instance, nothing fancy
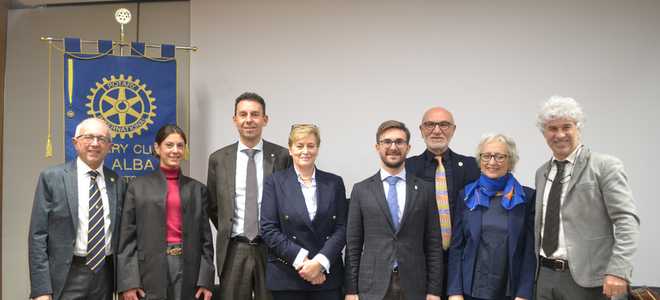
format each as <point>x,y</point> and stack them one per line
<point>186,155</point>
<point>49,148</point>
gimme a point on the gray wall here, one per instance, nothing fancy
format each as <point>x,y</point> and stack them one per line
<point>26,103</point>
<point>349,65</point>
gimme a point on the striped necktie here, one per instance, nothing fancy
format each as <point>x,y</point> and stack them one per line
<point>442,198</point>
<point>96,234</point>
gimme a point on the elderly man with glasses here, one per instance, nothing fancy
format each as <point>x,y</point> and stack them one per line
<point>450,172</point>
<point>74,227</point>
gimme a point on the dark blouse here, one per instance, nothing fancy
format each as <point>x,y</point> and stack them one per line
<point>491,274</point>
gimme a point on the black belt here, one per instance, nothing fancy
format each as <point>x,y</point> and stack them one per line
<point>242,239</point>
<point>555,264</point>
<point>83,260</point>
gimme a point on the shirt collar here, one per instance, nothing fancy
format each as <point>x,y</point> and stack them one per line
<point>384,174</point>
<point>300,180</point>
<point>259,146</point>
<point>430,156</point>
<point>83,168</point>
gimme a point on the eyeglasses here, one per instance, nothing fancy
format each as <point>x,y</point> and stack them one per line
<point>500,158</point>
<point>387,144</point>
<point>294,126</point>
<point>430,126</point>
<point>88,138</point>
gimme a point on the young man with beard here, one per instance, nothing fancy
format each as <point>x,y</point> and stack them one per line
<point>393,244</point>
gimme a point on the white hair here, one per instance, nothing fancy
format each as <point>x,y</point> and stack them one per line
<point>560,108</point>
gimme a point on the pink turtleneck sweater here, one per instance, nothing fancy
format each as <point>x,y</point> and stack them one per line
<point>173,205</point>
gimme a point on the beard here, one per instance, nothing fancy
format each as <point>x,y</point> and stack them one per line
<point>395,164</point>
<point>437,147</point>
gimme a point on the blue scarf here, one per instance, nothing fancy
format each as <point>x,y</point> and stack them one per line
<point>479,192</point>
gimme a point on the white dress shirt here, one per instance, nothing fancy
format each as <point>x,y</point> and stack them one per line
<point>83,208</point>
<point>561,252</point>
<point>241,178</point>
<point>400,188</point>
<point>309,192</point>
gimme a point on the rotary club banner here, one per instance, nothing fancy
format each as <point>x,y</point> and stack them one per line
<point>135,95</point>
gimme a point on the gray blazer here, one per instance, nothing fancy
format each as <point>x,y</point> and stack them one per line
<point>142,257</point>
<point>221,187</point>
<point>598,216</point>
<point>54,225</point>
<point>372,242</point>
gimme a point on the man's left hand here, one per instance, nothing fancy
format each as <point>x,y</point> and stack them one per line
<point>432,297</point>
<point>613,286</point>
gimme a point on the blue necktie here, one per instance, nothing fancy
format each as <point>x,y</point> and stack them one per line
<point>393,203</point>
<point>96,234</point>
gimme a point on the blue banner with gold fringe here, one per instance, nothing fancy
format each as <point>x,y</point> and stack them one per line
<point>135,95</point>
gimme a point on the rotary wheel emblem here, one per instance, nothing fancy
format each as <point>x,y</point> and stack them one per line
<point>124,104</point>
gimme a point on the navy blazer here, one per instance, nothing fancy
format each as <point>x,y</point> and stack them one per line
<point>465,171</point>
<point>286,228</point>
<point>465,243</point>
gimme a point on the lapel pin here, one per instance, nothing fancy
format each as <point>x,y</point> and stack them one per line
<point>272,155</point>
<point>112,179</point>
<point>415,187</point>
<point>460,163</point>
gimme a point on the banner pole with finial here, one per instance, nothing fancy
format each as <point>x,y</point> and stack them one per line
<point>123,16</point>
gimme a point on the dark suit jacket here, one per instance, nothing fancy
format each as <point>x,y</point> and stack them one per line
<point>598,216</point>
<point>372,242</point>
<point>142,256</point>
<point>465,171</point>
<point>465,240</point>
<point>54,225</point>
<point>286,228</point>
<point>221,183</point>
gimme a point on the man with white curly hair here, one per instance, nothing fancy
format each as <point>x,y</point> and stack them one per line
<point>586,227</point>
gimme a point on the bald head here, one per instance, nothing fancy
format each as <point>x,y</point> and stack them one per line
<point>437,139</point>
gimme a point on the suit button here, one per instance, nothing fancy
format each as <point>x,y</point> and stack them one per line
<point>334,218</point>
<point>231,220</point>
<point>295,238</point>
<point>185,258</point>
<point>185,233</point>
<point>327,237</point>
<point>391,259</point>
<point>185,208</point>
<point>395,238</point>
<point>286,217</point>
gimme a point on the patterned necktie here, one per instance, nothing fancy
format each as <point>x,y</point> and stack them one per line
<point>552,211</point>
<point>442,198</point>
<point>96,234</point>
<point>393,203</point>
<point>251,229</point>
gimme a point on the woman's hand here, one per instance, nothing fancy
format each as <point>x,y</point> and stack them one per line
<point>459,297</point>
<point>318,280</point>
<point>207,293</point>
<point>518,298</point>
<point>132,294</point>
<point>310,269</point>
